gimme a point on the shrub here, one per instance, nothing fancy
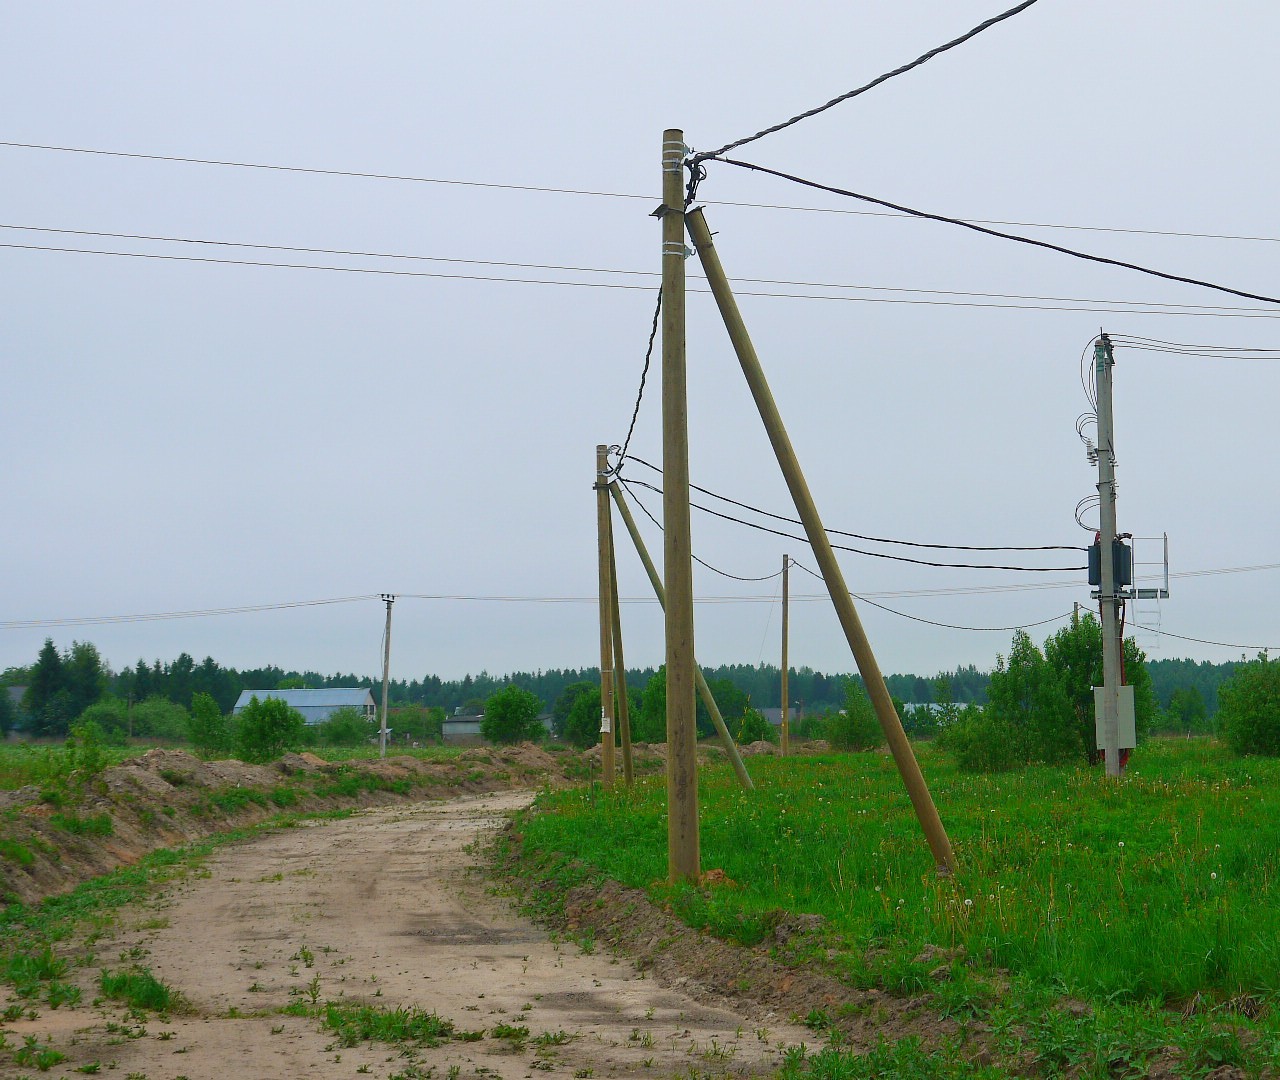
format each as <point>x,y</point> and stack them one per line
<point>346,727</point>
<point>111,716</point>
<point>1249,708</point>
<point>209,731</point>
<point>511,716</point>
<point>266,729</point>
<point>581,725</point>
<point>753,727</point>
<point>855,727</point>
<point>160,718</point>
<point>980,741</point>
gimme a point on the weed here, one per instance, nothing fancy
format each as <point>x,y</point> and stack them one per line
<point>139,989</point>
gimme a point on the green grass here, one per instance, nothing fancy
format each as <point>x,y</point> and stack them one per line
<point>355,1024</point>
<point>138,988</point>
<point>1154,893</point>
<point>23,764</point>
<point>83,825</point>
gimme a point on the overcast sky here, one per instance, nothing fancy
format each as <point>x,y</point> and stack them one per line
<point>182,436</point>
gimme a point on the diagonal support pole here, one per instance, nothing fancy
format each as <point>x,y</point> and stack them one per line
<point>700,680</point>
<point>899,745</point>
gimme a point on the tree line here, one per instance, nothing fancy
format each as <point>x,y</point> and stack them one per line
<point>61,684</point>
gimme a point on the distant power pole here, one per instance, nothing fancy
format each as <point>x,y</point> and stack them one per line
<point>786,729</point>
<point>604,539</point>
<point>1109,592</point>
<point>387,599</point>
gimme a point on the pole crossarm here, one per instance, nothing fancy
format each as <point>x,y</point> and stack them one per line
<point>806,509</point>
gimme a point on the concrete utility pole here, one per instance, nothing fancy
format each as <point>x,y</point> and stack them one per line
<point>700,680</point>
<point>899,746</point>
<point>786,578</point>
<point>684,858</point>
<point>1104,362</point>
<point>387,599</point>
<point>603,533</point>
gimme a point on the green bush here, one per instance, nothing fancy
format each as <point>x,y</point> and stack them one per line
<point>208,729</point>
<point>1249,708</point>
<point>159,718</point>
<point>980,741</point>
<point>511,716</point>
<point>265,729</point>
<point>753,727</point>
<point>581,726</point>
<point>111,715</point>
<point>346,727</point>
<point>855,727</point>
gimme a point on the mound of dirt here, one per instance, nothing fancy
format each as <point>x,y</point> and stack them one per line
<point>56,839</point>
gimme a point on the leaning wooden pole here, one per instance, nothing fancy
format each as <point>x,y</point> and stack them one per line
<point>621,710</point>
<point>899,746</point>
<point>606,616</point>
<point>684,859</point>
<point>704,691</point>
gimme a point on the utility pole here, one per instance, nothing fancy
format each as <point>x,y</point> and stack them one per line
<point>387,599</point>
<point>786,729</point>
<point>1109,596</point>
<point>603,533</point>
<point>621,709</point>
<point>806,508</point>
<point>684,858</point>
<point>700,680</point>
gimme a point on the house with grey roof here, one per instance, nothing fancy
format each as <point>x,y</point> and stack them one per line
<point>316,706</point>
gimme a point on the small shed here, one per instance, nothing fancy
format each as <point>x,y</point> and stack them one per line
<point>316,706</point>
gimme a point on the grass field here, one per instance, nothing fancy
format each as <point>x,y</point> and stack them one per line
<point>1153,899</point>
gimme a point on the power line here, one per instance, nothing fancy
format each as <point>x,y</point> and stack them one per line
<point>860,536</point>
<point>632,196</point>
<point>1205,641</point>
<point>698,158</point>
<point>932,622</point>
<point>198,613</point>
<point>701,562</point>
<point>853,550</point>
<point>1212,352</point>
<point>1242,313</point>
<point>1004,235</point>
<point>570,268</point>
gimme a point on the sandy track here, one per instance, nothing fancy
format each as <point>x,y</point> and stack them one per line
<point>387,908</point>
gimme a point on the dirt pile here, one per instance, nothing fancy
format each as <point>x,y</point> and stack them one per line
<point>54,838</point>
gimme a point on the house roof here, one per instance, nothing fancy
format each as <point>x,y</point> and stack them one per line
<point>329,698</point>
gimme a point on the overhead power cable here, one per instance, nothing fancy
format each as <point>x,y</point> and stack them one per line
<point>853,550</point>
<point>1206,641</point>
<point>644,198</point>
<point>701,562</point>
<point>197,613</point>
<point>697,158</point>
<point>932,622</point>
<point>1004,235</point>
<point>1091,302</point>
<point>1212,352</point>
<point>861,536</point>
<point>1242,313</point>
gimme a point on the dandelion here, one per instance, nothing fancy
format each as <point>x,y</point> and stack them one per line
<point>1213,876</point>
<point>877,888</point>
<point>1122,843</point>
<point>968,903</point>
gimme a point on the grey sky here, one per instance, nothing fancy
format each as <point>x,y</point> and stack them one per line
<point>183,436</point>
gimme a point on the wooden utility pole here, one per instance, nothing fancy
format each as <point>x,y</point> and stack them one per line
<point>684,859</point>
<point>621,709</point>
<point>786,579</point>
<point>606,615</point>
<point>387,599</point>
<point>816,534</point>
<point>704,691</point>
<point>1104,361</point>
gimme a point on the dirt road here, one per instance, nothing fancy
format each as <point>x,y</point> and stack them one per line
<point>386,908</point>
